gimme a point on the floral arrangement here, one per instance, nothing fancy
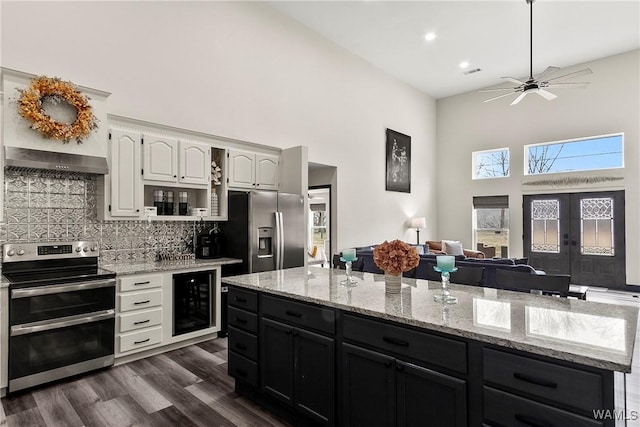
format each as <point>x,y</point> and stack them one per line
<point>55,90</point>
<point>216,173</point>
<point>395,257</point>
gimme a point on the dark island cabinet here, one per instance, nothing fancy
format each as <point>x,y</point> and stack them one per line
<point>298,365</point>
<point>243,339</point>
<point>380,390</point>
<point>325,366</point>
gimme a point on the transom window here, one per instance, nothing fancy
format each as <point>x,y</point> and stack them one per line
<point>600,152</point>
<point>491,163</point>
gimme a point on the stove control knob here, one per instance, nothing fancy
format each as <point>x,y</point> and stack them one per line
<point>86,249</point>
<point>11,252</point>
<point>94,248</point>
<point>20,252</point>
<point>79,249</point>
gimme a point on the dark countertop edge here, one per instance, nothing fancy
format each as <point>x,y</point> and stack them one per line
<point>500,342</point>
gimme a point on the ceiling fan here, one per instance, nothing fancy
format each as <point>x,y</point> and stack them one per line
<point>540,84</point>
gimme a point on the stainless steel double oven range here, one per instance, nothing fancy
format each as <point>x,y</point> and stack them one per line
<point>61,311</point>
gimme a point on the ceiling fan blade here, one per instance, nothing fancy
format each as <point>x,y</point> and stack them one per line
<point>574,74</point>
<point>580,85</point>
<point>546,94</point>
<point>500,96</point>
<point>519,98</point>
<point>498,90</point>
<point>512,80</point>
<point>546,73</point>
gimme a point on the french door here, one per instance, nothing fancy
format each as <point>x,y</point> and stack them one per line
<point>581,234</point>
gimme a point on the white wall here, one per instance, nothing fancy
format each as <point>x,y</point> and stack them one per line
<point>241,70</point>
<point>610,104</point>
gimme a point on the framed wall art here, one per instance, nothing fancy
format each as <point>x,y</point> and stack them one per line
<point>398,158</point>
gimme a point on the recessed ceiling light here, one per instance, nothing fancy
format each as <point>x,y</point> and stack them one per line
<point>430,36</point>
<point>464,64</point>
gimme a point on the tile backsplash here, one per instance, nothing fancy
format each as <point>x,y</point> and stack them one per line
<point>44,206</point>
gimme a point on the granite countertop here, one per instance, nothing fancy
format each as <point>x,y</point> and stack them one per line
<point>151,267</point>
<point>584,332</point>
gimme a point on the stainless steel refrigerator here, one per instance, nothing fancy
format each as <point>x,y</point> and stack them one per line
<point>266,230</point>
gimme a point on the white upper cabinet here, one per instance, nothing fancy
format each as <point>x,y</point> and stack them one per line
<point>267,171</point>
<point>251,170</point>
<point>242,169</point>
<point>125,173</point>
<point>195,163</point>
<point>160,158</point>
<point>169,160</point>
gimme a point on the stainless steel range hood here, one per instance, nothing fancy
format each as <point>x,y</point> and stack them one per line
<point>64,162</point>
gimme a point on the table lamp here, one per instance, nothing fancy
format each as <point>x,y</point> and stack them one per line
<point>418,223</point>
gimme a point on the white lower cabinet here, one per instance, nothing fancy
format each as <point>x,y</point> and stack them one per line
<point>140,340</point>
<point>139,307</point>
<point>140,300</point>
<point>140,319</point>
<point>145,313</point>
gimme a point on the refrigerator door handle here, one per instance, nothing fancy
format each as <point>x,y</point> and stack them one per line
<point>279,241</point>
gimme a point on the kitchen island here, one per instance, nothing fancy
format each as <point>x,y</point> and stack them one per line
<point>353,356</point>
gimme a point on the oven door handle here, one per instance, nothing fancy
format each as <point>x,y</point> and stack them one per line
<point>56,289</point>
<point>46,325</point>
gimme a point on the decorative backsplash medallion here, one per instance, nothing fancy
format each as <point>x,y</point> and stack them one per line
<point>43,206</point>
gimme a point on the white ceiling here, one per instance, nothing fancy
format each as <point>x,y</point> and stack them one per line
<point>490,35</point>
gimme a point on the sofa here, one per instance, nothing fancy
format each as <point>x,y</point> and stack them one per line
<point>424,270</point>
<point>435,246</point>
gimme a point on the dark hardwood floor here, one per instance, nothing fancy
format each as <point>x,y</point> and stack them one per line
<point>185,387</point>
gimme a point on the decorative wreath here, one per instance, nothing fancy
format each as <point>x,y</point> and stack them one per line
<point>57,91</point>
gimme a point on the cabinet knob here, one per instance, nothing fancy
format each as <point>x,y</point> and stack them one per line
<point>175,176</point>
<point>182,177</point>
<point>387,363</point>
<point>137,210</point>
<point>399,368</point>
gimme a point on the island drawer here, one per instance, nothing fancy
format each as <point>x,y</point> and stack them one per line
<point>246,300</point>
<point>243,369</point>
<point>573,387</point>
<point>300,314</point>
<point>140,319</point>
<point>432,349</point>
<point>505,409</point>
<point>139,282</point>
<point>243,343</point>
<point>243,320</point>
<point>137,300</point>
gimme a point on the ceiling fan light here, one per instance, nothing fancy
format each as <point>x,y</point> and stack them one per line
<point>464,64</point>
<point>430,36</point>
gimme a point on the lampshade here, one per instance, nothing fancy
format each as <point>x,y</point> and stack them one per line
<point>418,222</point>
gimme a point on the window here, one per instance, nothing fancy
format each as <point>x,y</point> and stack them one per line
<point>601,152</point>
<point>545,226</point>
<point>596,226</point>
<point>491,163</point>
<point>491,229</point>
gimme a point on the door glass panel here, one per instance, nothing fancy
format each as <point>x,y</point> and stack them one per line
<point>596,226</point>
<point>545,233</point>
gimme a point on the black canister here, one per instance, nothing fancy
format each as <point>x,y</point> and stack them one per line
<point>168,204</point>
<point>158,201</point>
<point>183,203</point>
